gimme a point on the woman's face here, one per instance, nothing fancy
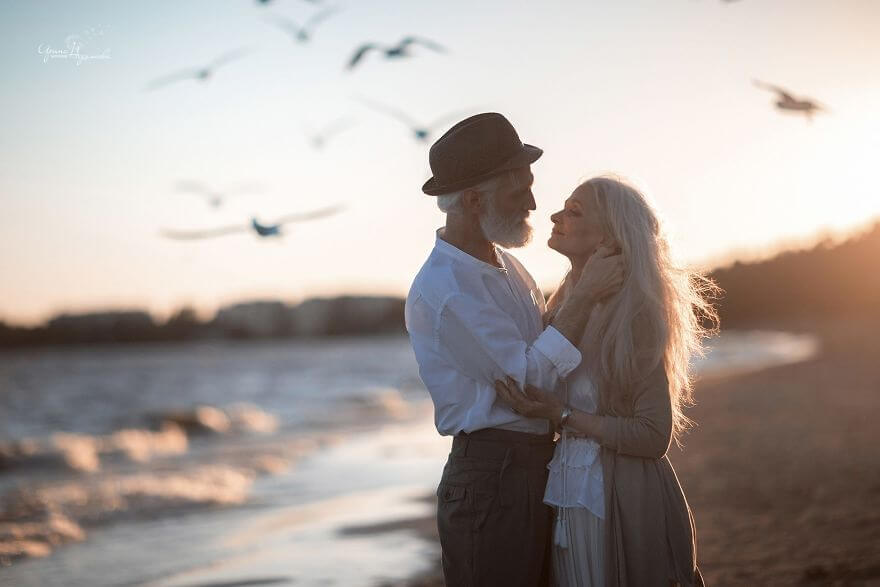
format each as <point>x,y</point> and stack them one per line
<point>577,230</point>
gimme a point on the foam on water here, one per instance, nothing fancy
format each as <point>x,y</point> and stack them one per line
<point>122,439</point>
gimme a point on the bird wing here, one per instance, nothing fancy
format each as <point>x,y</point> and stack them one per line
<point>779,90</point>
<point>313,215</point>
<point>244,188</point>
<point>194,187</point>
<point>390,111</point>
<point>171,78</point>
<point>337,126</point>
<point>319,16</point>
<point>421,41</point>
<point>285,24</point>
<point>227,57</point>
<point>359,53</point>
<point>199,234</point>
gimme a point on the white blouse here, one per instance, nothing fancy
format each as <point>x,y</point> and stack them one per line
<point>576,469</point>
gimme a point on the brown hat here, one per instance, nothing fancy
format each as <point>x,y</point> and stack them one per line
<point>475,149</point>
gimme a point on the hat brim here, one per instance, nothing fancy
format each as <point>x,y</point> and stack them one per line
<point>526,156</point>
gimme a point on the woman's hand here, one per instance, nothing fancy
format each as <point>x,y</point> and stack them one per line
<point>602,275</point>
<point>535,403</point>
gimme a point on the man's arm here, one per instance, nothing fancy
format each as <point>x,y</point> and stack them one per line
<point>484,343</point>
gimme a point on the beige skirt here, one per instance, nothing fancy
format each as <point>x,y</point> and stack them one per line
<point>581,563</point>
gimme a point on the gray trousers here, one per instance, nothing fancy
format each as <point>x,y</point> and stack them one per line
<point>494,526</point>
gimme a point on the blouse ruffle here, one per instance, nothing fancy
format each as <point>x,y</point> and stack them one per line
<point>575,478</point>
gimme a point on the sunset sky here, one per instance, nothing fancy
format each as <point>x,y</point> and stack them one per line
<point>660,92</point>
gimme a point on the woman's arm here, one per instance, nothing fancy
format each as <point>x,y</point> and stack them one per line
<point>647,433</point>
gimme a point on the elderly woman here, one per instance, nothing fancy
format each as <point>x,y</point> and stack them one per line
<point>622,518</point>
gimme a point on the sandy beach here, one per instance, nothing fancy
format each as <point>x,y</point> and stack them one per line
<point>783,470</point>
<point>781,473</point>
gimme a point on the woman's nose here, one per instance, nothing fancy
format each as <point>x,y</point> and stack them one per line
<point>554,218</point>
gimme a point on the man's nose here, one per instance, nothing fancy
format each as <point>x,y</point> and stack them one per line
<point>555,217</point>
<point>531,203</point>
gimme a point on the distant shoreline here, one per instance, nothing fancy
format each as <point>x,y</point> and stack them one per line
<point>254,320</point>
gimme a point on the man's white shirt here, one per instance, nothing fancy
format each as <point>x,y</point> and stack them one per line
<point>471,323</point>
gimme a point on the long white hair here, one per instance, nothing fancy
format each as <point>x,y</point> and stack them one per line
<point>663,311</point>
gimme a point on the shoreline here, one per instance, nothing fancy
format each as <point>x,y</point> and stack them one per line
<point>780,470</point>
<point>397,522</point>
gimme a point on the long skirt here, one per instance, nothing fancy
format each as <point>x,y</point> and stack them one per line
<point>581,563</point>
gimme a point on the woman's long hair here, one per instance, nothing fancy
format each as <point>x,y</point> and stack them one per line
<point>663,311</point>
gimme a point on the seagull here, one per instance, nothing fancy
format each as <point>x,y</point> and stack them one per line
<point>302,33</point>
<point>393,52</point>
<point>788,102</point>
<point>215,197</point>
<point>262,230</point>
<point>202,74</point>
<point>422,132</point>
<point>319,138</point>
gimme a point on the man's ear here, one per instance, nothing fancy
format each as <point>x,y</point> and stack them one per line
<point>471,201</point>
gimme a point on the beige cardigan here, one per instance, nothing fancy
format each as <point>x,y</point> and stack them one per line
<point>650,537</point>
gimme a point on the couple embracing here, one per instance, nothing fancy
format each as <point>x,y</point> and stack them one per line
<point>561,412</point>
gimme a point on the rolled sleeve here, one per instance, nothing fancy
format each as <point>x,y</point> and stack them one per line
<point>485,344</point>
<point>558,350</point>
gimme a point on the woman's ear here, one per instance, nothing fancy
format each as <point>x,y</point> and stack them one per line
<point>609,242</point>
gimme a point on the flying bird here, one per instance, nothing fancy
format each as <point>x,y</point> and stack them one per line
<point>261,229</point>
<point>422,132</point>
<point>402,49</point>
<point>788,102</point>
<point>318,139</point>
<point>201,74</point>
<point>215,197</point>
<point>302,33</point>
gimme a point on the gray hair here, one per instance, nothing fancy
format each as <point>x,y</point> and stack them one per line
<point>451,203</point>
<point>663,312</point>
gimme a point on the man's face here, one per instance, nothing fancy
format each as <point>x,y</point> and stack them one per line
<point>505,220</point>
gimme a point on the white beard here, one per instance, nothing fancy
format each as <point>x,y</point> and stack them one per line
<point>505,232</point>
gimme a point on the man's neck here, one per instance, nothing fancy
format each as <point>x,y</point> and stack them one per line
<point>471,242</point>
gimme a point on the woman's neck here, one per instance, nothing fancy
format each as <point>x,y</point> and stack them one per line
<point>577,268</point>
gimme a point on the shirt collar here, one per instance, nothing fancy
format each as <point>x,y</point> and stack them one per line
<point>456,253</point>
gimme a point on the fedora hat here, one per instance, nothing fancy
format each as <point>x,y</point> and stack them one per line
<point>475,149</point>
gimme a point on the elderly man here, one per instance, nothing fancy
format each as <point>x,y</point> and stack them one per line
<point>474,315</point>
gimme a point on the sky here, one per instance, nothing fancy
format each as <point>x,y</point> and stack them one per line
<point>659,92</point>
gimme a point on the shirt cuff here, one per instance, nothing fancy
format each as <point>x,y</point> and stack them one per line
<point>553,345</point>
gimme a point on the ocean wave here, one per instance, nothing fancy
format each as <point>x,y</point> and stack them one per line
<point>382,402</point>
<point>84,452</point>
<point>36,519</point>
<point>238,417</point>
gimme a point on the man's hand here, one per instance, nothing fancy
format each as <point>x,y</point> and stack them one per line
<point>535,403</point>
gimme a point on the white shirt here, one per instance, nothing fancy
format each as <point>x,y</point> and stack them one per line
<point>576,469</point>
<point>471,323</point>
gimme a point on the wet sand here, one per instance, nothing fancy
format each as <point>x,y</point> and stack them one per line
<point>783,470</point>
